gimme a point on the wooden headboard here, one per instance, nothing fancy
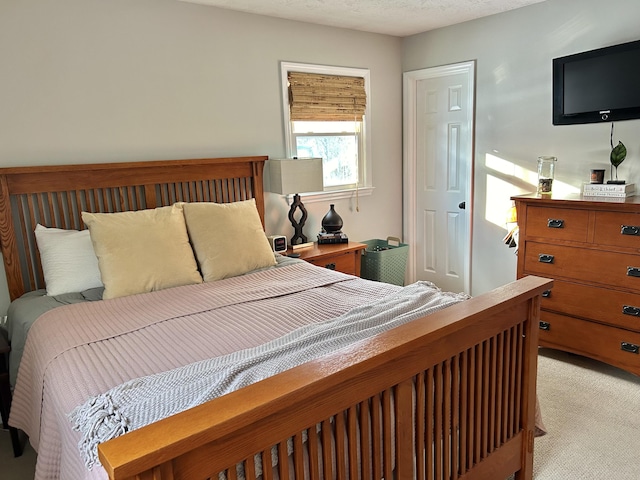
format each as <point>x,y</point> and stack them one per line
<point>55,196</point>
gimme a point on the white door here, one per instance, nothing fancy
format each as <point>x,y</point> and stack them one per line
<point>438,139</point>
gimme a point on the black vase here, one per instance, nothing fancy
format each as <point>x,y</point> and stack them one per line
<point>332,222</point>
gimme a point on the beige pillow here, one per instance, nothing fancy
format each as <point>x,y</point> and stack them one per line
<point>142,251</point>
<point>228,238</point>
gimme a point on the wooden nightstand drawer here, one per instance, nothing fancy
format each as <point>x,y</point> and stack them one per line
<point>618,229</point>
<point>343,262</point>
<point>605,343</point>
<point>604,305</point>
<point>557,223</point>
<point>342,257</point>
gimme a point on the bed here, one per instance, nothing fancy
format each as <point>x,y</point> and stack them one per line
<point>446,390</point>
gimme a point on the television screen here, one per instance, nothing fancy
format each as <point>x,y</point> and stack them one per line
<point>598,85</point>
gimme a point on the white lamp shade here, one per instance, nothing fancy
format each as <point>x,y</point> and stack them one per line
<point>295,175</point>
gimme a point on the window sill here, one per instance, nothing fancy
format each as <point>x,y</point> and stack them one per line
<point>332,195</point>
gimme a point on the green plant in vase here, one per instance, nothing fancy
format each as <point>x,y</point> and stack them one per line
<point>617,156</point>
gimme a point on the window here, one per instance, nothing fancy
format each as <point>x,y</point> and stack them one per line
<point>325,112</point>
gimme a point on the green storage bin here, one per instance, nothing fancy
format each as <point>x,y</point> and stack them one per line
<point>384,260</point>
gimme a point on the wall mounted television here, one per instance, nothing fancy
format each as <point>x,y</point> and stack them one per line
<point>601,85</point>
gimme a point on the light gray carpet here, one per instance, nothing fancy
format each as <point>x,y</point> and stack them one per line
<point>592,415</point>
<point>591,411</point>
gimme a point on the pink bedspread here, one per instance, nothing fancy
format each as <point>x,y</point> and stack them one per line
<point>77,351</point>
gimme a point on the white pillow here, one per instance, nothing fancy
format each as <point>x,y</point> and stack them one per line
<point>142,251</point>
<point>69,263</point>
<point>228,238</point>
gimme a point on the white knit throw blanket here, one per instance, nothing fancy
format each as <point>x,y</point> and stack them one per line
<point>142,401</point>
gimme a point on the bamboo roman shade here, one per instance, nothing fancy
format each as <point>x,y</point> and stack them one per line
<point>315,96</point>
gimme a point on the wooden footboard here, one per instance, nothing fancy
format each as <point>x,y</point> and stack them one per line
<point>448,396</point>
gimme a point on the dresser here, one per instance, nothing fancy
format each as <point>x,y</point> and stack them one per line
<point>591,248</point>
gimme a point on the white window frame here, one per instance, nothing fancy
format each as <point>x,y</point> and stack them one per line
<point>365,185</point>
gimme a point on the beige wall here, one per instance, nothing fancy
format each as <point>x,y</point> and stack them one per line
<point>116,80</point>
<point>513,52</point>
<point>95,81</point>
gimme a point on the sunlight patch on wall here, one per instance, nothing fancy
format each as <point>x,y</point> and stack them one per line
<point>511,179</point>
<point>498,201</point>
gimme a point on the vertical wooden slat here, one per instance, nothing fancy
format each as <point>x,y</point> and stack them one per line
<point>506,386</point>
<point>477,428</point>
<point>513,383</point>
<point>298,457</point>
<point>420,425</point>
<point>238,194</point>
<point>327,449</point>
<point>376,433</point>
<point>283,464</point>
<point>250,469</point>
<point>232,474</point>
<point>500,384</point>
<point>352,439</point>
<point>491,434</point>
<point>386,435</point>
<point>446,419</point>
<point>51,204</point>
<point>430,417</point>
<point>267,469</point>
<point>314,452</point>
<point>464,411</point>
<point>485,400</point>
<point>438,420</point>
<point>365,439</point>
<point>518,389</point>
<point>341,451</point>
<point>455,416</point>
<point>27,220</point>
<point>404,421</point>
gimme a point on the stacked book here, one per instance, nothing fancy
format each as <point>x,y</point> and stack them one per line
<point>609,190</point>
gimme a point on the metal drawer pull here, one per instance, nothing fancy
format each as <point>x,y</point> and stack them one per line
<point>630,230</point>
<point>633,272</point>
<point>544,258</point>
<point>546,293</point>
<point>545,326</point>
<point>629,347</point>
<point>330,266</point>
<point>555,223</point>
<point>629,310</point>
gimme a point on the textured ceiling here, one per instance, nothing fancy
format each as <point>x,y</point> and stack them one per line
<point>391,17</point>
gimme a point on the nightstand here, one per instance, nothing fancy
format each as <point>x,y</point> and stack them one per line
<point>5,393</point>
<point>343,257</point>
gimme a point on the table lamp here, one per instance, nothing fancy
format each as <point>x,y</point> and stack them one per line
<point>295,176</point>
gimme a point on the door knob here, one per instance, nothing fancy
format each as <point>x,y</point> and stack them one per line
<point>462,205</point>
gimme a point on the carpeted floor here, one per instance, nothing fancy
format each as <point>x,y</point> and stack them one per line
<point>591,411</point>
<point>592,415</point>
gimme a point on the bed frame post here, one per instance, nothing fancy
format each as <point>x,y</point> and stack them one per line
<point>529,388</point>
<point>257,186</point>
<point>8,243</point>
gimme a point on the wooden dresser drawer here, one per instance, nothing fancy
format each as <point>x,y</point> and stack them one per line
<point>342,262</point>
<point>617,229</point>
<point>588,265</point>
<point>605,343</point>
<point>613,307</point>
<point>557,223</point>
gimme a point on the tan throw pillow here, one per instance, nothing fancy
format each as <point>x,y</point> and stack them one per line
<point>142,251</point>
<point>228,238</point>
